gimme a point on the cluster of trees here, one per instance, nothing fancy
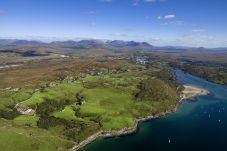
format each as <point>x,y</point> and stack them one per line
<point>9,113</point>
<point>155,90</point>
<point>71,127</point>
<point>213,74</point>
<point>166,75</point>
<point>49,106</point>
<point>51,121</point>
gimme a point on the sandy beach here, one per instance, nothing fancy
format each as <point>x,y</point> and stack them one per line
<point>191,92</point>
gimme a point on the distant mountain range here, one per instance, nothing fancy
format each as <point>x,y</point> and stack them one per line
<point>99,44</point>
<point>15,42</point>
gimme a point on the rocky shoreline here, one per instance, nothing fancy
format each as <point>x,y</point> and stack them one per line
<point>115,133</point>
<point>134,129</point>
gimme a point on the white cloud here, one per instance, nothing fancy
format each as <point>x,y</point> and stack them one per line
<point>225,41</point>
<point>171,16</point>
<point>198,30</point>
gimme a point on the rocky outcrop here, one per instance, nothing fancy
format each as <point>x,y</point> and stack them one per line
<point>24,110</point>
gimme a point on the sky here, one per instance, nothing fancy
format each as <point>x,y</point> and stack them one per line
<point>196,23</point>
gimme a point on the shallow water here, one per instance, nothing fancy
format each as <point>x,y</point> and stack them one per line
<point>200,124</point>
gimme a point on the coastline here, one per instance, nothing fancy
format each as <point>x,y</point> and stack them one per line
<point>187,93</point>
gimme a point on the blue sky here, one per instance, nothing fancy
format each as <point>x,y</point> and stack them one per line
<point>160,22</point>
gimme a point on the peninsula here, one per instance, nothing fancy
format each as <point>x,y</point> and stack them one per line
<point>188,92</point>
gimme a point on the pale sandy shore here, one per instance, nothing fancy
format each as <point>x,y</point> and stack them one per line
<point>191,92</point>
<point>187,93</point>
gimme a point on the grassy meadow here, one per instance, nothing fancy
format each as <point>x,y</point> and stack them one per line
<point>107,96</point>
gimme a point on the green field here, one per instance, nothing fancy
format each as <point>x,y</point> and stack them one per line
<point>69,112</point>
<point>20,138</point>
